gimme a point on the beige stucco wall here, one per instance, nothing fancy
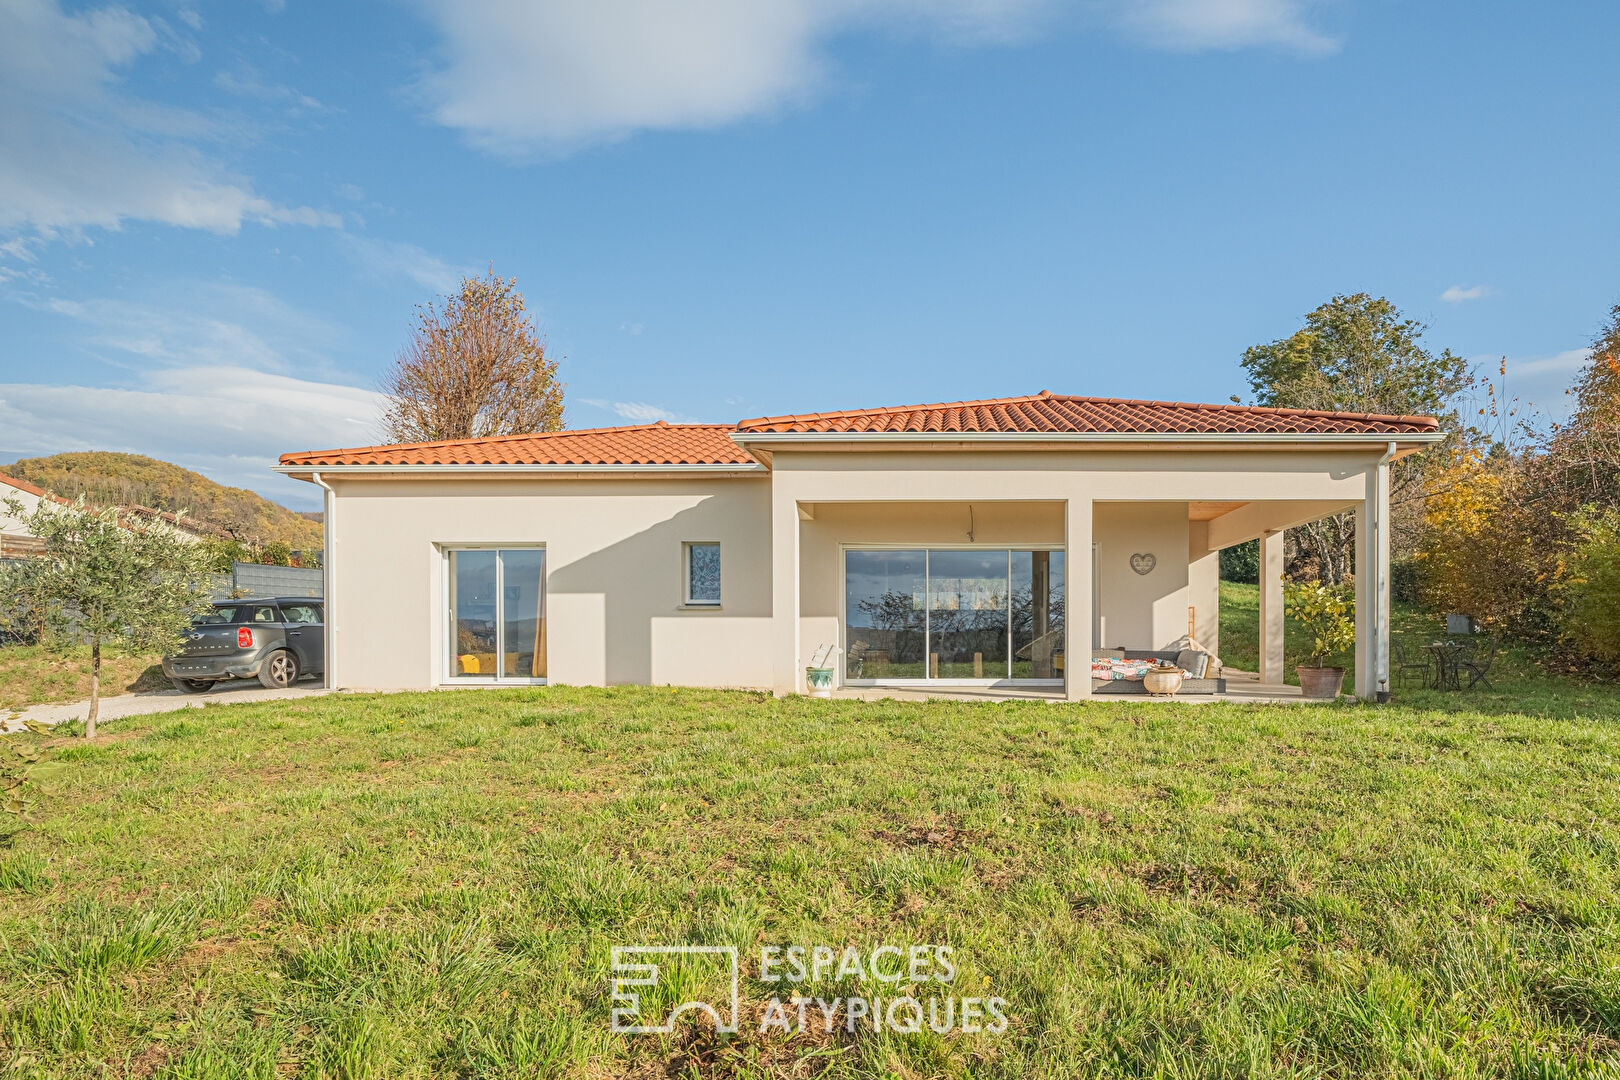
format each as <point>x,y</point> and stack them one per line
<point>613,571</point>
<point>613,547</point>
<point>1141,611</point>
<point>1204,586</point>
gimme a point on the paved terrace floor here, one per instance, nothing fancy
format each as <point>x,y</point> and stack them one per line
<point>1241,686</point>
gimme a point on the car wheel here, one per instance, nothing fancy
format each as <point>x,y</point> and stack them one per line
<point>193,686</point>
<point>279,670</point>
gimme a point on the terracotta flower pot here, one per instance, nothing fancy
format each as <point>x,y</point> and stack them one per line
<point>1320,682</point>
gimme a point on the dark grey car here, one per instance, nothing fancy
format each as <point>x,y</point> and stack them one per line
<point>276,640</point>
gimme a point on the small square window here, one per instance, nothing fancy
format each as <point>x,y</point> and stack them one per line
<point>703,574</point>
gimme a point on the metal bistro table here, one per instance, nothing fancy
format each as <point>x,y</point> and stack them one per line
<point>1445,657</point>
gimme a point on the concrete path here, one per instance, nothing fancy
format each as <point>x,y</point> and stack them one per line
<point>155,701</point>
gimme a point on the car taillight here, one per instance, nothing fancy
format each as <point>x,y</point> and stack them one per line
<point>244,637</point>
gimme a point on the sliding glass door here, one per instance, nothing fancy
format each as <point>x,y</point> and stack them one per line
<point>497,613</point>
<point>953,614</point>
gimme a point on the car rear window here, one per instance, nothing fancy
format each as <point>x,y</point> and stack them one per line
<point>237,613</point>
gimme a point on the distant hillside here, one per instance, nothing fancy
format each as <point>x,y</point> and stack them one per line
<point>126,479</point>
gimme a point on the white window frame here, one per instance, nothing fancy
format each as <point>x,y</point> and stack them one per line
<point>843,602</point>
<point>447,667</point>
<point>686,575</point>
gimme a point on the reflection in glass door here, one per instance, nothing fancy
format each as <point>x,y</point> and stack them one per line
<point>962,614</point>
<point>967,614</point>
<point>883,614</point>
<point>497,613</point>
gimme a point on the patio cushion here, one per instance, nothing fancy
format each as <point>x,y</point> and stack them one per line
<point>1193,662</point>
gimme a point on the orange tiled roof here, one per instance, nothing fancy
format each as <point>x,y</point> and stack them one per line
<point>20,485</point>
<point>1053,413</point>
<point>640,444</point>
<point>23,485</point>
<point>711,444</point>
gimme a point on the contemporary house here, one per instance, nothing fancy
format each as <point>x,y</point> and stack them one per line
<point>965,544</point>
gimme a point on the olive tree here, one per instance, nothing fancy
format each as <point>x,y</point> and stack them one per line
<point>105,577</point>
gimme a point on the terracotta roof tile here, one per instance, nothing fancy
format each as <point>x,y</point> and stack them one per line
<point>1048,413</point>
<point>20,485</point>
<point>640,444</point>
<point>711,444</point>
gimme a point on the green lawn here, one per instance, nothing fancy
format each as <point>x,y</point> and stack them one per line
<point>429,884</point>
<point>1516,675</point>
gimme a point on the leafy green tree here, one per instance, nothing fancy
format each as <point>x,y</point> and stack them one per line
<point>1241,562</point>
<point>108,579</point>
<point>1360,354</point>
<point>1591,585</point>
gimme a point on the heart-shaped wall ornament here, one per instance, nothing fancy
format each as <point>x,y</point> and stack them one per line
<point>1143,563</point>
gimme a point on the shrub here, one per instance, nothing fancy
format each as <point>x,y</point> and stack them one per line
<point>1405,581</point>
<point>1327,612</point>
<point>1590,587</point>
<point>1241,562</point>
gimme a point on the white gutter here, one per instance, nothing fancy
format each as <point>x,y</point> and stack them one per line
<point>1336,438</point>
<point>543,470</point>
<point>329,572</point>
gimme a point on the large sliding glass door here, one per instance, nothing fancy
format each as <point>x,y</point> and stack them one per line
<point>953,614</point>
<point>497,613</point>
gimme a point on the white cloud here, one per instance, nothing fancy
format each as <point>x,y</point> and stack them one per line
<point>78,152</point>
<point>1539,381</point>
<point>389,257</point>
<point>524,75</point>
<point>1565,363</point>
<point>637,412</point>
<point>1457,294</point>
<point>215,324</point>
<point>229,423</point>
<point>520,74</point>
<point>1200,25</point>
<point>245,80</point>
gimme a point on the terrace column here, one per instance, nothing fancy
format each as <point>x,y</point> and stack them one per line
<point>1272,665</point>
<point>1077,601</point>
<point>1372,583</point>
<point>788,670</point>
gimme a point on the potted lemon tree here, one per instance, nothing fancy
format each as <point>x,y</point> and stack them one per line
<point>1327,612</point>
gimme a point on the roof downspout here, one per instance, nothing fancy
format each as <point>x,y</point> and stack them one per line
<point>1381,597</point>
<point>329,577</point>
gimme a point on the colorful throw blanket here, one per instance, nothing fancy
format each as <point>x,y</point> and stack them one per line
<point>1111,669</point>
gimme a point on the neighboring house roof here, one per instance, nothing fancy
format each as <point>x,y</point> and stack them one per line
<point>664,444</point>
<point>183,523</point>
<point>640,444</point>
<point>23,485</point>
<point>1048,413</point>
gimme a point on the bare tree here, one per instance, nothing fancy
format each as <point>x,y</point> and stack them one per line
<point>472,369</point>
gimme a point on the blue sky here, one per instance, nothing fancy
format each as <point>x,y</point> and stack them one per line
<point>215,218</point>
